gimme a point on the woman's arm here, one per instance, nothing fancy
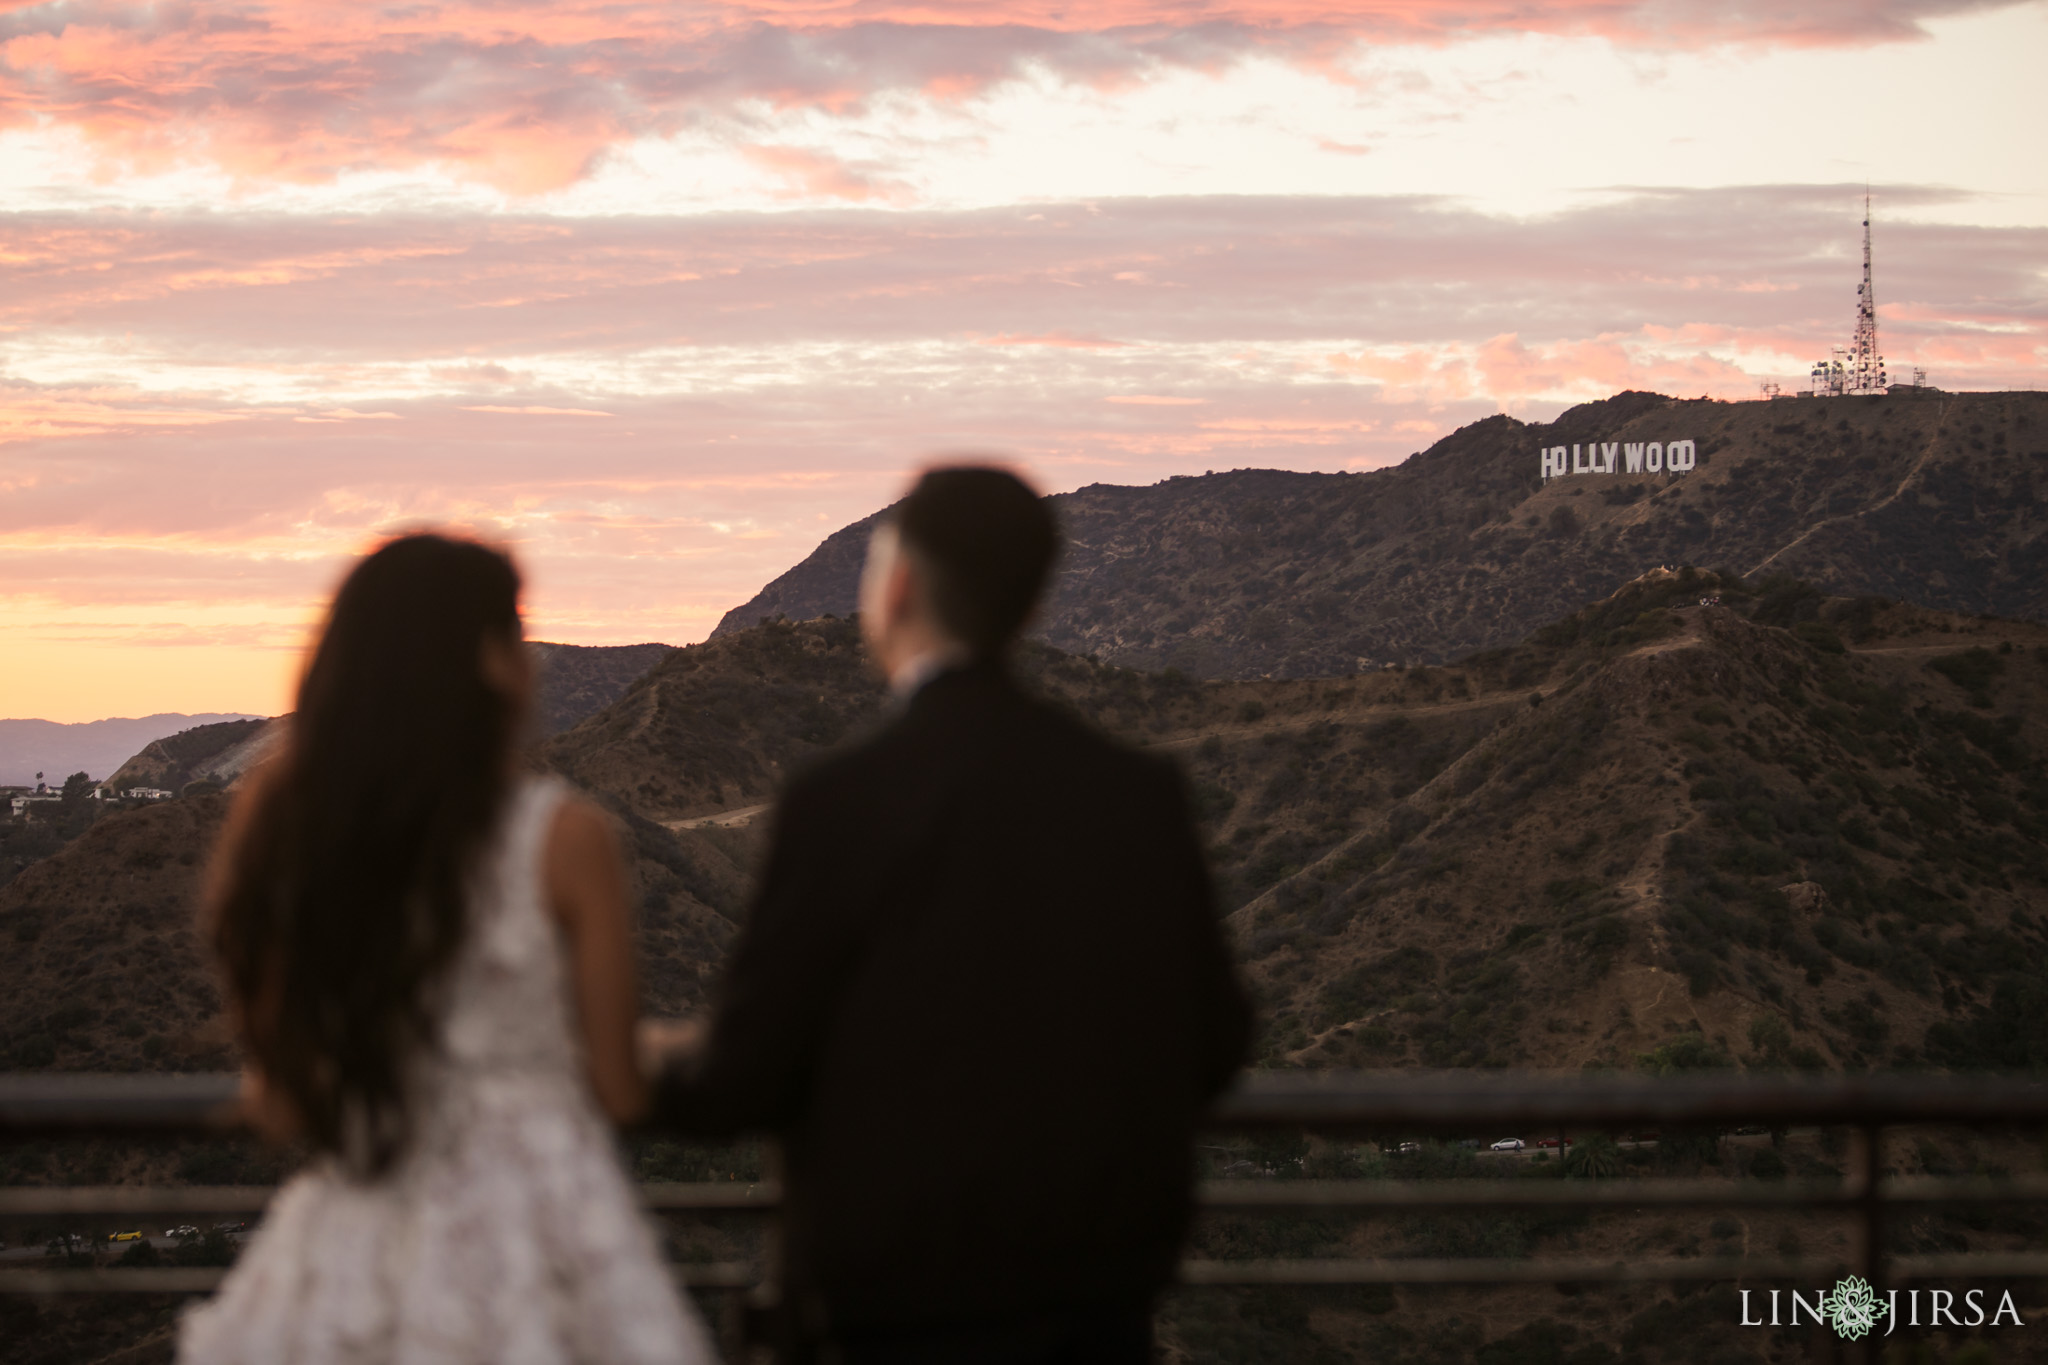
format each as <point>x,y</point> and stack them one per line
<point>586,890</point>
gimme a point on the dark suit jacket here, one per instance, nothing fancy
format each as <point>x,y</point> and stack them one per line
<point>983,998</point>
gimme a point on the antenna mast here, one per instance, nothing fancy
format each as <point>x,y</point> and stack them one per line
<point>1866,366</point>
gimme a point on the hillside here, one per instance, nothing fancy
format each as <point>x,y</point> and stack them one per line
<point>1818,846</point>
<point>573,681</point>
<point>104,971</point>
<point>210,753</point>
<point>1786,830</point>
<point>717,725</point>
<point>95,747</point>
<point>1934,500</point>
<point>580,680</point>
<point>1800,829</point>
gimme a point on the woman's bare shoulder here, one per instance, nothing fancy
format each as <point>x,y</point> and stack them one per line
<point>582,848</point>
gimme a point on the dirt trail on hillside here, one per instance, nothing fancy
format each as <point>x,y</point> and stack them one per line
<point>736,818</point>
<point>1926,454</point>
<point>1497,699</point>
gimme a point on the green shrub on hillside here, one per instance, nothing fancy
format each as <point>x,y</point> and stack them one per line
<point>1973,670</point>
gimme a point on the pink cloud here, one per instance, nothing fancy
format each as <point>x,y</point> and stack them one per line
<point>817,175</point>
<point>293,385</point>
<point>528,94</point>
<point>1383,285</point>
<point>1063,340</point>
<point>536,410</point>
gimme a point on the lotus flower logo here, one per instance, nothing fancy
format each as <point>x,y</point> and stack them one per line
<point>1852,1308</point>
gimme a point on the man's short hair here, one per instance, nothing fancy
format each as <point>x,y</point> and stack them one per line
<point>986,543</point>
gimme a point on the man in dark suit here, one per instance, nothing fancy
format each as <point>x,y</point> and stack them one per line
<point>982,996</point>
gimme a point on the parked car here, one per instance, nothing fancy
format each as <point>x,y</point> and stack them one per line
<point>187,1230</point>
<point>1508,1145</point>
<point>1411,1147</point>
<point>124,1237</point>
<point>231,1229</point>
<point>1552,1142</point>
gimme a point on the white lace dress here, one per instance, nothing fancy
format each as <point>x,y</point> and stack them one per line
<point>507,1233</point>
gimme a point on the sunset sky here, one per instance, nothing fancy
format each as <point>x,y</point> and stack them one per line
<point>661,294</point>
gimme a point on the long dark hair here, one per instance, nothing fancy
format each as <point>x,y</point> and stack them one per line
<point>339,895</point>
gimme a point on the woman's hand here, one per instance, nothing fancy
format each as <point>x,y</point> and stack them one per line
<point>267,1109</point>
<point>664,1042</point>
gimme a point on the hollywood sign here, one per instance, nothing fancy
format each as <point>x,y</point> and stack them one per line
<point>1619,457</point>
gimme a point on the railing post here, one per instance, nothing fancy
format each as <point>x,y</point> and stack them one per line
<point>1867,1157</point>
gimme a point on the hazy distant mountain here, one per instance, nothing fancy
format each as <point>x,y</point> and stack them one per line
<point>95,747</point>
<point>1933,499</point>
<point>216,753</point>
<point>574,681</point>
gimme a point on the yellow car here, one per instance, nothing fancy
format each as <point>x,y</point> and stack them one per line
<point>124,1237</point>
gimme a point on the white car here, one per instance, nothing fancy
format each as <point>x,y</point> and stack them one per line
<point>1508,1145</point>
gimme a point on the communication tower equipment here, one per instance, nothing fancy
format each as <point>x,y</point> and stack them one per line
<point>1858,369</point>
<point>1866,366</point>
<point>1831,376</point>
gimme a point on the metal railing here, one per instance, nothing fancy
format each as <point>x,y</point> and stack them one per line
<point>1335,1105</point>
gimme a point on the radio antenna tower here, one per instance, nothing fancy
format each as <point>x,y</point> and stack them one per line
<point>1866,366</point>
<point>1861,369</point>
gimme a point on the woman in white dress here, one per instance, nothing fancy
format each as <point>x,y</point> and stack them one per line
<point>427,960</point>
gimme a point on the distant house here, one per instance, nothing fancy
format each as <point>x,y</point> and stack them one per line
<point>147,794</point>
<point>41,794</point>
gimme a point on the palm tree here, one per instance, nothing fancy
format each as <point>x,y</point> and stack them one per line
<point>1593,1157</point>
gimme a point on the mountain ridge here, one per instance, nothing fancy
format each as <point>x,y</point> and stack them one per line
<point>1780,829</point>
<point>95,747</point>
<point>1928,499</point>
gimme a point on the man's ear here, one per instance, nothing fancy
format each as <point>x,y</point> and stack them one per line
<point>902,593</point>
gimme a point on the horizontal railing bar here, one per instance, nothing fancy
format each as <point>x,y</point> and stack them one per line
<point>192,1280</point>
<point>1581,1270</point>
<point>1967,1265</point>
<point>1586,1270</point>
<point>1929,1189</point>
<point>1302,1195</point>
<point>1230,1196</point>
<point>174,1280</point>
<point>711,1195</point>
<point>1402,1270</point>
<point>40,1103</point>
<point>1308,1195</point>
<point>23,1201</point>
<point>1422,1102</point>
<point>1379,1102</point>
